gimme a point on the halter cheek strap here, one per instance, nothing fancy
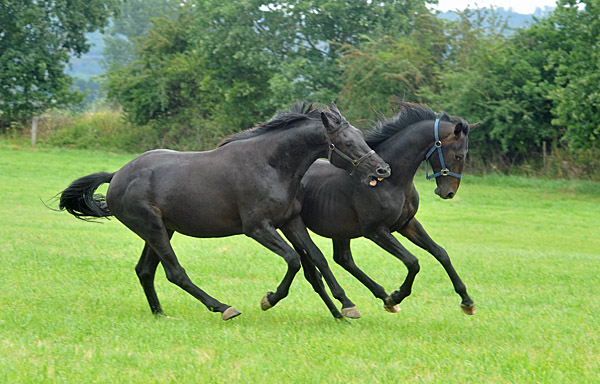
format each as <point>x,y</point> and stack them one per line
<point>438,147</point>
<point>355,163</point>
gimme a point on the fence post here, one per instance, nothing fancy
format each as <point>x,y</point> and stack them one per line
<point>545,155</point>
<point>34,124</point>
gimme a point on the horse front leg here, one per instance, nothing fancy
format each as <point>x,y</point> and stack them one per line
<point>383,237</point>
<point>342,254</point>
<point>296,233</point>
<point>415,232</point>
<point>314,277</point>
<point>266,234</point>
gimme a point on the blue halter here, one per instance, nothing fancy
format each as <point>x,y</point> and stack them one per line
<point>438,146</point>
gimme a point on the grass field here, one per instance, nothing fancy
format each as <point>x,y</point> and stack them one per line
<point>72,310</point>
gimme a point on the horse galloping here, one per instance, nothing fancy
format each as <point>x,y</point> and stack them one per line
<point>337,207</point>
<point>250,184</point>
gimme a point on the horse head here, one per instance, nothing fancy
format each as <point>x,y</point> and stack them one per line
<point>451,134</point>
<point>348,150</point>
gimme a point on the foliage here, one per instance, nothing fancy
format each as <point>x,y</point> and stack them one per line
<point>498,81</point>
<point>133,22</point>
<point>36,38</point>
<point>569,38</point>
<point>377,71</point>
<point>231,65</point>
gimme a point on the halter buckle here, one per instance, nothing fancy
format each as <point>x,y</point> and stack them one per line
<point>445,172</point>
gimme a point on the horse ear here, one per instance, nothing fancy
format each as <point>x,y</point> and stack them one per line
<point>471,126</point>
<point>334,107</point>
<point>325,121</point>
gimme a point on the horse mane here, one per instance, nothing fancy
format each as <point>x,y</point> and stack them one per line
<point>405,115</point>
<point>283,119</point>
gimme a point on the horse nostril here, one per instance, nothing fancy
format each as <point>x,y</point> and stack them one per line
<point>450,195</point>
<point>383,171</point>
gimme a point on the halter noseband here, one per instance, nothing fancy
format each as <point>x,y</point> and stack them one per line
<point>438,146</point>
<point>355,163</point>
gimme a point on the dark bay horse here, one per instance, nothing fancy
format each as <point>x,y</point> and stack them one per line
<point>337,207</point>
<point>250,184</point>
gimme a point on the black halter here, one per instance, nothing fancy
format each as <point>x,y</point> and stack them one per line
<point>355,163</point>
<point>438,146</point>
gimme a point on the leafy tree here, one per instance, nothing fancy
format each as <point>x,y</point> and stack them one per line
<point>319,32</point>
<point>36,38</point>
<point>234,63</point>
<point>500,81</point>
<point>133,22</point>
<point>569,39</point>
<point>378,70</point>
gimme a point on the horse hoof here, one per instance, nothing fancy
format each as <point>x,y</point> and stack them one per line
<point>392,309</point>
<point>230,313</point>
<point>264,303</point>
<point>351,313</point>
<point>468,309</point>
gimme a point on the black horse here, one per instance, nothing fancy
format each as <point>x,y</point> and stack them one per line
<point>337,207</point>
<point>250,184</point>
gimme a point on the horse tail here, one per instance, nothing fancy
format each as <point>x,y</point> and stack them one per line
<point>80,200</point>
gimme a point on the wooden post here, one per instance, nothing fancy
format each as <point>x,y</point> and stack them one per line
<point>34,125</point>
<point>545,155</point>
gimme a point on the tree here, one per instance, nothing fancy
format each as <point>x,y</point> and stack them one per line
<point>133,22</point>
<point>235,63</point>
<point>377,71</point>
<point>36,38</point>
<point>499,80</point>
<point>569,39</point>
<point>319,32</point>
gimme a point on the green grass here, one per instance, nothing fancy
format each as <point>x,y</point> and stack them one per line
<point>72,310</point>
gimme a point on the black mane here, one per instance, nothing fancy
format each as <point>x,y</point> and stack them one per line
<point>283,119</point>
<point>405,115</point>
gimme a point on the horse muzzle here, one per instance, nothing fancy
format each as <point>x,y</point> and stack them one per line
<point>447,194</point>
<point>381,173</point>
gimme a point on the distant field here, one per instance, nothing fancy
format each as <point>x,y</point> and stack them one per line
<point>72,310</point>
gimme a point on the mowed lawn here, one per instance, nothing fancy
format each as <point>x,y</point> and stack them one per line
<point>72,309</point>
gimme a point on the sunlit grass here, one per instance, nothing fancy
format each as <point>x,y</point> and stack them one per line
<point>72,309</point>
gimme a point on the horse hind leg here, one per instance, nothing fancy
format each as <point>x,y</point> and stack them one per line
<point>145,270</point>
<point>158,239</point>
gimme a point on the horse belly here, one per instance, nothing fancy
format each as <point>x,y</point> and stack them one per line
<point>330,217</point>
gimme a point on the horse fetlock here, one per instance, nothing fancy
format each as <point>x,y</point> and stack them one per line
<point>390,306</point>
<point>399,295</point>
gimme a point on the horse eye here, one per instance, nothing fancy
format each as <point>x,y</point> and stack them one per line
<point>348,144</point>
<point>458,158</point>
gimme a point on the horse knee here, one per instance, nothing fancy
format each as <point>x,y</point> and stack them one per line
<point>293,262</point>
<point>413,266</point>
<point>177,277</point>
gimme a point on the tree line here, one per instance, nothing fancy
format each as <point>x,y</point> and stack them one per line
<point>191,72</point>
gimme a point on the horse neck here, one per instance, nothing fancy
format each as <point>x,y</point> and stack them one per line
<point>293,150</point>
<point>406,150</point>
